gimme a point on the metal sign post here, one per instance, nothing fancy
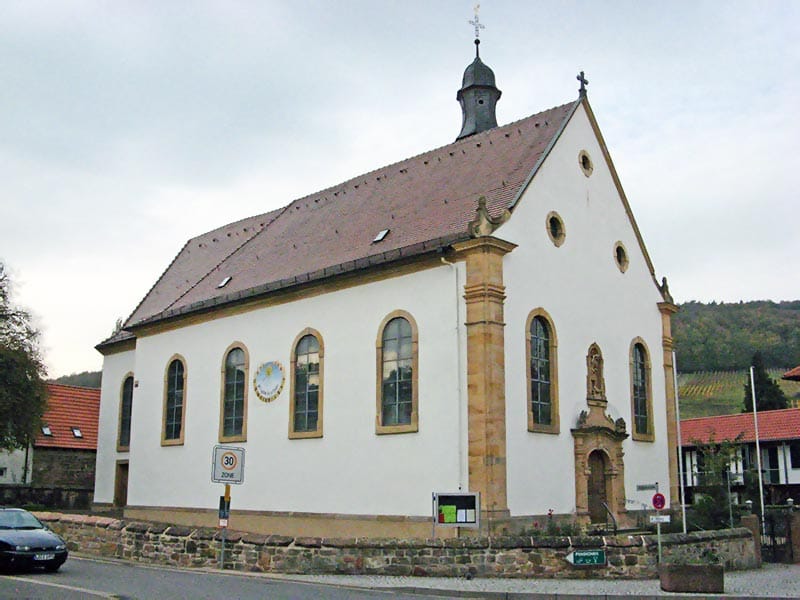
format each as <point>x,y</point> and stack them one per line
<point>227,466</point>
<point>659,501</point>
<point>224,514</point>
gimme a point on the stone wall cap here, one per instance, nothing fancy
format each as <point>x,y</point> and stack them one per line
<point>138,527</point>
<point>258,539</point>
<point>308,542</point>
<point>204,533</point>
<point>279,540</point>
<point>157,528</point>
<point>231,535</point>
<point>550,542</point>
<point>339,542</point>
<point>624,541</point>
<point>179,531</point>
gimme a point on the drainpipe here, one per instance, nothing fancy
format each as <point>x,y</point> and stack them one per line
<point>461,450</point>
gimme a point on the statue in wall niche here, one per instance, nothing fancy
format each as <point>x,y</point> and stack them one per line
<point>595,384</point>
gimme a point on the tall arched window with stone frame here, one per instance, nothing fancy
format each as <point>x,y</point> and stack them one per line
<point>174,412</point>
<point>125,412</point>
<point>641,392</point>
<point>397,360</point>
<point>233,396</point>
<point>541,347</point>
<point>305,409</point>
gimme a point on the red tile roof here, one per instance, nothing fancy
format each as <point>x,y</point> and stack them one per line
<point>67,407</point>
<point>773,425</point>
<point>426,202</point>
<point>793,375</point>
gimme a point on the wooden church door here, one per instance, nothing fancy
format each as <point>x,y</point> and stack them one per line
<point>597,487</point>
<point>121,484</point>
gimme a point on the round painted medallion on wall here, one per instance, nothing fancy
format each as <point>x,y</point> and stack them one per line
<point>269,380</point>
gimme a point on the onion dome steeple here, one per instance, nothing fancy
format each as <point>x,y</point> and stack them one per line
<point>478,95</point>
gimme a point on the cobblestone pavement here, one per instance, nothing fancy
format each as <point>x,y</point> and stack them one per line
<point>771,581</point>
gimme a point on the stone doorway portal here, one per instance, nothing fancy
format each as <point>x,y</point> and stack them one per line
<point>599,459</point>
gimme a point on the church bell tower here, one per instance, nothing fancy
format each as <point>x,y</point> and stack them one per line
<point>478,95</point>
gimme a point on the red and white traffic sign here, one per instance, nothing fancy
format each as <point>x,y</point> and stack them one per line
<point>227,464</point>
<point>659,501</point>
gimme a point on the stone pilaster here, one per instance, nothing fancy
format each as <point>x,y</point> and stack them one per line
<point>667,310</point>
<point>484,294</point>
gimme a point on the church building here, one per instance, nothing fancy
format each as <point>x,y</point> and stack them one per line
<point>483,317</point>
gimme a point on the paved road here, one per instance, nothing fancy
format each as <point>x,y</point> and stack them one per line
<point>85,579</point>
<point>82,578</point>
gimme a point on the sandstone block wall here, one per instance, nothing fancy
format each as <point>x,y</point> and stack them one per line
<point>63,468</point>
<point>629,557</point>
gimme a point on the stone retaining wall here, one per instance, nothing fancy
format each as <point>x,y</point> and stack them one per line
<point>629,557</point>
<point>50,497</point>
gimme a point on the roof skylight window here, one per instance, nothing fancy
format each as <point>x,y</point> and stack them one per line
<point>224,282</point>
<point>46,430</point>
<point>76,431</point>
<point>381,235</point>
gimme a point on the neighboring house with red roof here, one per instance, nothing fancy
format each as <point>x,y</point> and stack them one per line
<point>65,450</point>
<point>792,375</point>
<point>779,439</point>
<point>481,317</point>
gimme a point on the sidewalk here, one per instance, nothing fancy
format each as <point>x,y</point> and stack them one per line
<point>771,581</point>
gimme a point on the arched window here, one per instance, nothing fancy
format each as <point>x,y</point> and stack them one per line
<point>542,374</point>
<point>641,395</point>
<point>305,419</point>
<point>233,418</point>
<point>397,376</point>
<point>174,403</point>
<point>125,409</point>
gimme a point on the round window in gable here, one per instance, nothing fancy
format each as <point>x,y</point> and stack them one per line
<point>621,257</point>
<point>585,161</point>
<point>555,228</point>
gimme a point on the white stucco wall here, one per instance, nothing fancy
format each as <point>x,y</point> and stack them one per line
<point>115,368</point>
<point>12,466</point>
<point>589,300</point>
<point>349,470</point>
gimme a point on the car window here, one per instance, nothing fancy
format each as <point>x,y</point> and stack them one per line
<point>18,519</point>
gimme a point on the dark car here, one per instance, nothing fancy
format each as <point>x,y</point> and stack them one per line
<point>26,543</point>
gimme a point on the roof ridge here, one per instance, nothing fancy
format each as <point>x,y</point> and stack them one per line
<point>462,141</point>
<point>68,385</point>
<point>761,413</point>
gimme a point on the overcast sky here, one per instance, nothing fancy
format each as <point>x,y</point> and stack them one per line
<point>128,127</point>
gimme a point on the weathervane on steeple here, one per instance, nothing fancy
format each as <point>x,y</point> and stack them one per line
<point>584,83</point>
<point>478,26</point>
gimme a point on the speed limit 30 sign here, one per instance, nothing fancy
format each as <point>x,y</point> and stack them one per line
<point>227,464</point>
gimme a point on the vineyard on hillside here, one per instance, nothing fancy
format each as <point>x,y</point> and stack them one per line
<point>710,393</point>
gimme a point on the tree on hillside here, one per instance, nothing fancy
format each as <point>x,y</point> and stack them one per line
<point>724,336</point>
<point>769,396</point>
<point>90,379</point>
<point>23,395</point>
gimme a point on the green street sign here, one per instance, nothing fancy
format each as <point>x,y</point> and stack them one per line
<point>587,558</point>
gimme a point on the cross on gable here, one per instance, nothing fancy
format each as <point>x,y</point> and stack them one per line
<point>584,83</point>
